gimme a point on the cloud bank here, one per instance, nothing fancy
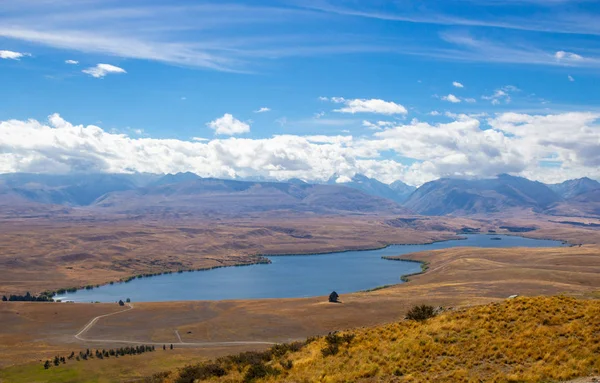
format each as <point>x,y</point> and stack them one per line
<point>550,148</point>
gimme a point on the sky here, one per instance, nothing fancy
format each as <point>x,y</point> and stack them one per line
<point>309,89</point>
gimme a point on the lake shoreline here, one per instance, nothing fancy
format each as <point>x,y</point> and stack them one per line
<point>296,292</point>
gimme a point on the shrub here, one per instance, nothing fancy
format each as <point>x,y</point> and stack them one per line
<point>420,313</point>
<point>260,370</point>
<point>334,341</point>
<point>190,374</point>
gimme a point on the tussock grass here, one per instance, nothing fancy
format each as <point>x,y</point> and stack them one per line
<point>542,339</point>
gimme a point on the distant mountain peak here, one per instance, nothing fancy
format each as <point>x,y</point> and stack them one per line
<point>573,188</point>
<point>480,196</point>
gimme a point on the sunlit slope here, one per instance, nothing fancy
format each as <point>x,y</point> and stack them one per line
<point>521,340</point>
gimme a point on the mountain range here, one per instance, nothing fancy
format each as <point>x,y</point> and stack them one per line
<point>190,194</point>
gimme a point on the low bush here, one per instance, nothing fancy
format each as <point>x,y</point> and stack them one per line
<point>420,313</point>
<point>260,370</point>
<point>190,374</point>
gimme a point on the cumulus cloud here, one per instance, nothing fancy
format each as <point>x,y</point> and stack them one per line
<point>451,98</point>
<point>71,62</point>
<point>228,125</point>
<point>358,105</point>
<point>263,110</point>
<point>570,78</point>
<point>101,70</point>
<point>415,152</point>
<point>10,55</point>
<point>457,84</point>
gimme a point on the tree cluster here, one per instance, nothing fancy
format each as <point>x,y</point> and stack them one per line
<point>99,354</point>
<point>44,297</point>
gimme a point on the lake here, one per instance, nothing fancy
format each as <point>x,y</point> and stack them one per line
<point>290,276</point>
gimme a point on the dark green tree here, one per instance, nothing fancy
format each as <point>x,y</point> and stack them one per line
<point>4,298</point>
<point>56,360</point>
<point>171,346</point>
<point>128,300</point>
<point>47,365</point>
<point>121,303</point>
<point>333,297</point>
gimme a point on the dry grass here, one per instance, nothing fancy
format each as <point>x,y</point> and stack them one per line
<point>542,339</point>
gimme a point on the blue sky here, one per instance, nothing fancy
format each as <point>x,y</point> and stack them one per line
<point>371,71</point>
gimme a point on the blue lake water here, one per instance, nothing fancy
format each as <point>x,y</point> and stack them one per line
<point>290,276</point>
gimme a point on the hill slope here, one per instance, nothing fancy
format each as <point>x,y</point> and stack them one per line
<point>574,188</point>
<point>71,190</point>
<point>520,340</point>
<point>462,197</point>
<point>210,195</point>
<point>398,191</point>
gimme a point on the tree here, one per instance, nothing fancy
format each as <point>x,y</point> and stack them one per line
<point>56,360</point>
<point>171,346</point>
<point>47,365</point>
<point>4,298</point>
<point>164,347</point>
<point>128,300</point>
<point>333,297</point>
<point>121,303</point>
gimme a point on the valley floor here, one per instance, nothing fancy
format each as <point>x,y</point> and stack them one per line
<point>460,277</point>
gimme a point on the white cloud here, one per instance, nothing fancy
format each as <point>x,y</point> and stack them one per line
<point>263,110</point>
<point>228,125</point>
<point>451,98</point>
<point>343,180</point>
<point>501,95</point>
<point>570,78</point>
<point>379,125</point>
<point>71,62</point>
<point>375,106</point>
<point>457,84</point>
<point>513,143</point>
<point>434,113</point>
<point>102,70</point>
<point>470,100</point>
<point>12,55</point>
<point>567,56</point>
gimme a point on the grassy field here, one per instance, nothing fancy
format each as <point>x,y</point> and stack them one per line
<point>542,339</point>
<point>460,277</point>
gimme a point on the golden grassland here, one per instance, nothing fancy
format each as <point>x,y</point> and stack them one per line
<point>49,255</point>
<point>539,339</point>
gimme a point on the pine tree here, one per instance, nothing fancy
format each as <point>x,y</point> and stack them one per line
<point>164,347</point>
<point>171,346</point>
<point>47,365</point>
<point>4,298</point>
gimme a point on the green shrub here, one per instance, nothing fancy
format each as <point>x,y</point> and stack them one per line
<point>258,371</point>
<point>420,313</point>
<point>189,374</point>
